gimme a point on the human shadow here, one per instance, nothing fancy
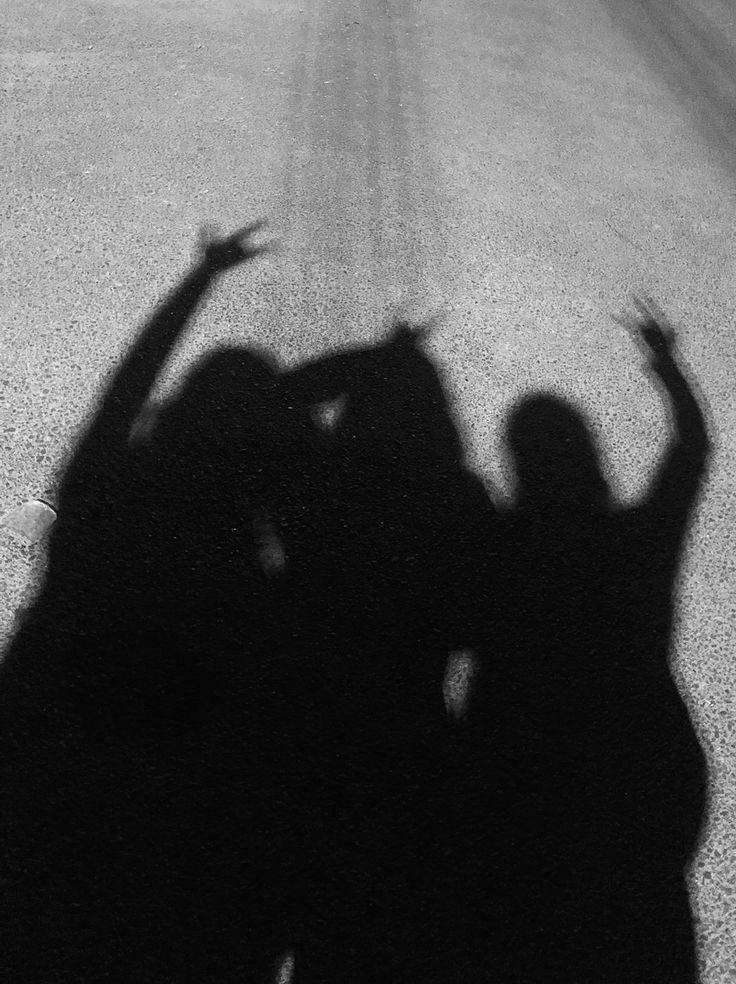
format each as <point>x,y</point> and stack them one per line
<point>223,727</point>
<point>585,784</point>
<point>138,700</point>
<point>391,603</point>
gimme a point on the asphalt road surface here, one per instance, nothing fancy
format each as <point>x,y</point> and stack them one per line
<point>521,164</point>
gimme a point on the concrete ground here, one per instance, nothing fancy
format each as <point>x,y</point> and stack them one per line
<point>526,164</point>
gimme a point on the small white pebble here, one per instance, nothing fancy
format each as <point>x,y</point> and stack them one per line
<point>32,520</point>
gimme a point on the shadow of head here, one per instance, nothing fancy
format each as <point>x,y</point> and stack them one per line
<point>556,461</point>
<point>231,377</point>
<point>408,413</point>
<point>230,395</point>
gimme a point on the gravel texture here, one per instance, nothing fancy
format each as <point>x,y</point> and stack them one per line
<point>526,164</point>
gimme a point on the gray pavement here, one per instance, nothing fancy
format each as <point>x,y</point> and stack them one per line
<point>526,164</point>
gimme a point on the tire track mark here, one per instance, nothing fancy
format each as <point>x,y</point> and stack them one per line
<point>356,180</point>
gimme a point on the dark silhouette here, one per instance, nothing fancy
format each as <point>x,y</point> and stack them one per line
<point>223,728</point>
<point>137,711</point>
<point>585,784</point>
<point>389,608</point>
<point>229,691</point>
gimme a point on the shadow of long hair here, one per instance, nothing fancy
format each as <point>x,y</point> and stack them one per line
<point>137,709</point>
<point>589,786</point>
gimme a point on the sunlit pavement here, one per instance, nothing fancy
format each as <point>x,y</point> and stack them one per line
<point>526,165</point>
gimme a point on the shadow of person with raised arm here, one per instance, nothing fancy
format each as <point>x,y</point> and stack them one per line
<point>389,610</point>
<point>126,760</point>
<point>593,781</point>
